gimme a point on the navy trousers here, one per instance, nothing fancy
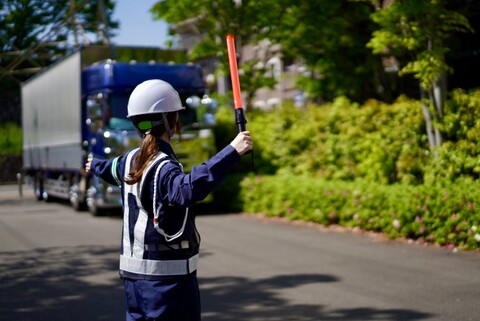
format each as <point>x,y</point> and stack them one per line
<point>170,299</point>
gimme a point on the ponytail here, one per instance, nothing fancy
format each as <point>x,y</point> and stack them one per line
<point>149,149</point>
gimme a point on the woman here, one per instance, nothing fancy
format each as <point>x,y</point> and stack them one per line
<point>160,243</point>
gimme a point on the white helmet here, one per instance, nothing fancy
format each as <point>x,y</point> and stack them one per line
<point>153,97</point>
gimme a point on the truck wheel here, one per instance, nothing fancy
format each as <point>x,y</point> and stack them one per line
<point>38,188</point>
<point>77,202</point>
<point>46,197</point>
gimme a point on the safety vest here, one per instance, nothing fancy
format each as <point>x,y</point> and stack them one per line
<point>134,261</point>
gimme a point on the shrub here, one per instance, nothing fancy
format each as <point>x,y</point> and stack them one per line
<point>10,139</point>
<point>366,166</point>
<point>459,156</point>
<point>376,142</point>
<point>10,152</point>
<point>436,214</point>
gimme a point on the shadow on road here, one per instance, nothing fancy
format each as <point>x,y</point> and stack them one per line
<point>234,298</point>
<point>62,283</point>
<point>81,283</point>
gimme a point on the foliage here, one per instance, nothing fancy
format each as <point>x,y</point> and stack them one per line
<point>444,215</point>
<point>10,152</point>
<point>194,147</point>
<point>376,142</point>
<point>148,54</point>
<point>249,20</point>
<point>458,159</point>
<point>45,23</point>
<point>10,139</point>
<point>227,197</point>
<point>225,131</point>
<point>311,32</point>
<point>366,166</point>
<point>410,31</point>
<point>330,37</point>
<point>35,33</point>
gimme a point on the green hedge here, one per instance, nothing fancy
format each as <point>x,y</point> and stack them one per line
<point>344,141</point>
<point>10,152</point>
<point>366,166</point>
<point>10,139</point>
<point>445,215</point>
<point>459,156</point>
<point>377,142</point>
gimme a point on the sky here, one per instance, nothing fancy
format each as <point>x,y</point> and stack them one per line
<point>137,27</point>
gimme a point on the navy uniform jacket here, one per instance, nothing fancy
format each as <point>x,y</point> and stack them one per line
<point>176,191</point>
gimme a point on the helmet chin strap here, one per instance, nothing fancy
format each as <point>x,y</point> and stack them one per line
<point>167,125</point>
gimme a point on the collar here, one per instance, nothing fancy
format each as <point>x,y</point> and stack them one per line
<point>167,149</point>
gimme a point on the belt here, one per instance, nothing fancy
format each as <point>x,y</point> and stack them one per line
<point>157,247</point>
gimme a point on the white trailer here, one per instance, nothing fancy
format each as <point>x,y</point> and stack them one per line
<point>77,107</point>
<point>51,124</point>
<point>51,117</point>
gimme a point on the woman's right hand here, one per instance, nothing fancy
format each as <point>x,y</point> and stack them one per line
<point>242,143</point>
<point>88,164</point>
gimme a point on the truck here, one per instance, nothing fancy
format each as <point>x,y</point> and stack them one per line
<point>75,109</point>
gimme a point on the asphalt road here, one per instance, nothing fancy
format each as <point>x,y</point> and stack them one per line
<point>57,264</point>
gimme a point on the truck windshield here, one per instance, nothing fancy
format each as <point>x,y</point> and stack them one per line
<point>117,112</point>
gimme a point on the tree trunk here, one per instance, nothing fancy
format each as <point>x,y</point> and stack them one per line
<point>428,119</point>
<point>438,96</point>
<point>433,102</point>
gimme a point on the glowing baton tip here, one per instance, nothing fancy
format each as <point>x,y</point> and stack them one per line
<point>232,59</point>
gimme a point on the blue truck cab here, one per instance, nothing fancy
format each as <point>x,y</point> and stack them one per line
<point>72,111</point>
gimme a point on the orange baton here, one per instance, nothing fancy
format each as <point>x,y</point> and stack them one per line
<point>237,95</point>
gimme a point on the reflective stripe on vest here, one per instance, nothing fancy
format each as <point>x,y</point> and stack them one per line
<point>133,250</point>
<point>156,211</point>
<point>158,268</point>
<point>127,247</point>
<point>113,170</point>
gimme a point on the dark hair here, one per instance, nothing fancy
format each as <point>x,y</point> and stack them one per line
<point>150,149</point>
